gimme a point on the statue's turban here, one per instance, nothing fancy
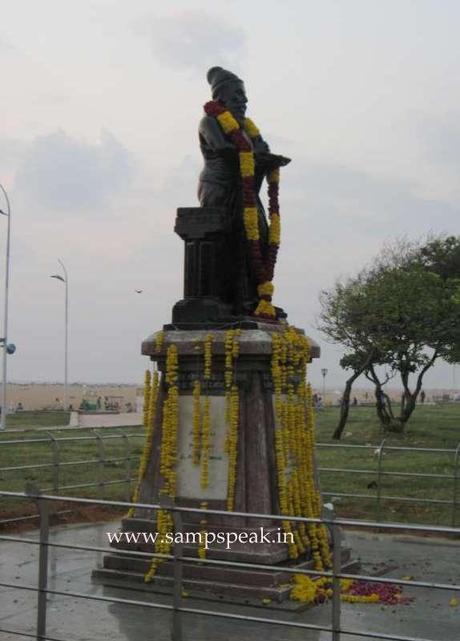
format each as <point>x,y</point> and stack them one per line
<point>217,76</point>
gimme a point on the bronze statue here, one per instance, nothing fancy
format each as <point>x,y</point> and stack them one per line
<point>220,184</point>
<point>230,248</point>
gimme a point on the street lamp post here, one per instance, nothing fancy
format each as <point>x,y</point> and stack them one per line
<point>6,213</point>
<point>324,374</point>
<point>65,280</point>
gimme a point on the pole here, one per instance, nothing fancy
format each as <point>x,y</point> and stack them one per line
<point>66,335</point>
<point>65,280</point>
<point>43,508</point>
<point>5,317</point>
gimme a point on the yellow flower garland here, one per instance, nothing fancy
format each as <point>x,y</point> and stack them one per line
<point>205,444</point>
<point>168,456</point>
<point>208,356</point>
<point>159,340</point>
<point>196,444</point>
<point>308,590</point>
<point>232,445</point>
<point>147,381</point>
<point>264,269</point>
<point>294,445</point>
<point>147,449</point>
<point>232,411</point>
<point>203,523</point>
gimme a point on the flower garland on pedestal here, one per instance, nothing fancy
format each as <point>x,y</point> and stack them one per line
<point>263,267</point>
<point>147,380</point>
<point>152,395</point>
<point>206,424</point>
<point>232,411</point>
<point>168,457</point>
<point>201,421</point>
<point>294,445</point>
<point>203,524</point>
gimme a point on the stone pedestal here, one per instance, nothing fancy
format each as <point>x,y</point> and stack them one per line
<point>204,231</point>
<point>256,488</point>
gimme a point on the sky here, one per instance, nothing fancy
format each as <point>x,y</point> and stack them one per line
<point>98,147</point>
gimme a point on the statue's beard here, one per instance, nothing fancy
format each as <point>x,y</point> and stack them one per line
<point>238,110</point>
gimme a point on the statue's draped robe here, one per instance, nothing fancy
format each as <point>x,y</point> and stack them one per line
<point>220,186</point>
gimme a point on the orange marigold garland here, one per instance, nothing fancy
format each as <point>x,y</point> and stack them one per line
<point>263,266</point>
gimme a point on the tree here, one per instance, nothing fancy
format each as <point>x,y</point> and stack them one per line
<point>403,313</point>
<point>345,319</point>
<point>441,255</point>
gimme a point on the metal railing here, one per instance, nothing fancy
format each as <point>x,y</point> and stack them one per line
<point>451,491</point>
<point>56,463</point>
<point>380,451</point>
<point>335,574</point>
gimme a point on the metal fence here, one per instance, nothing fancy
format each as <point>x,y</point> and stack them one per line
<point>452,480</point>
<point>335,525</point>
<point>57,465</point>
<point>451,491</point>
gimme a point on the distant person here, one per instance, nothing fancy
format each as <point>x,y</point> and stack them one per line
<point>19,407</point>
<point>355,401</point>
<point>99,403</point>
<point>422,396</point>
<point>319,403</point>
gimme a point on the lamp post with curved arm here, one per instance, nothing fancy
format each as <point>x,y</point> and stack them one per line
<point>65,280</point>
<point>6,213</point>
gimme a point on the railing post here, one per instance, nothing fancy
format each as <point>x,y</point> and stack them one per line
<point>101,457</point>
<point>128,466</point>
<point>336,569</point>
<point>43,509</point>
<point>455,489</point>
<point>379,478</point>
<point>176,629</point>
<point>56,462</point>
<point>44,514</point>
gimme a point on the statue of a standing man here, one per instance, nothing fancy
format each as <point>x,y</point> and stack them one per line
<point>221,184</point>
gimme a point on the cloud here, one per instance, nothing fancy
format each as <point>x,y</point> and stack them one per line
<point>59,172</point>
<point>194,39</point>
<point>5,45</point>
<point>441,139</point>
<point>344,200</point>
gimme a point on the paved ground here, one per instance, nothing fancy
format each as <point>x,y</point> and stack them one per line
<point>429,616</point>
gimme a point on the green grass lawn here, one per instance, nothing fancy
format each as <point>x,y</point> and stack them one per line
<point>42,418</point>
<point>79,447</point>
<point>430,427</point>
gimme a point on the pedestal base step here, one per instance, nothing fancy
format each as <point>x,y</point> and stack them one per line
<point>268,588</point>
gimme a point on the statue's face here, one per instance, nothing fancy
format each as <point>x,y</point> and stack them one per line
<point>234,97</point>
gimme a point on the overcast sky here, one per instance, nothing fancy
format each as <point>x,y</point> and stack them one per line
<point>98,147</point>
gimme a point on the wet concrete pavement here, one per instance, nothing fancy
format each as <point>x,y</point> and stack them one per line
<point>429,616</point>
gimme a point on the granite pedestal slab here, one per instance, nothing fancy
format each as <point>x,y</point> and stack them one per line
<point>256,489</point>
